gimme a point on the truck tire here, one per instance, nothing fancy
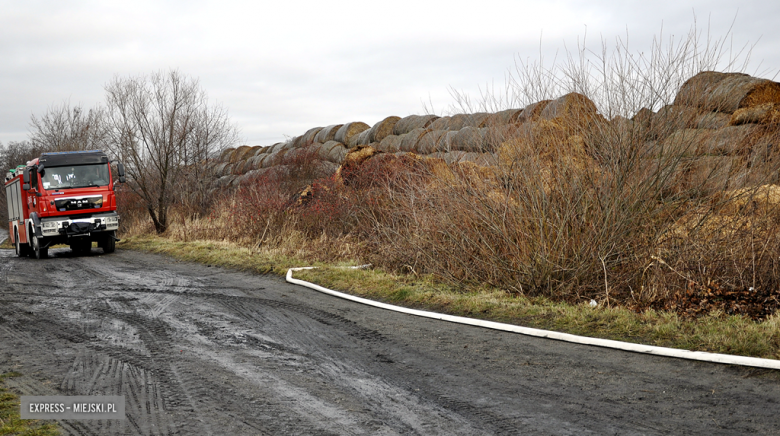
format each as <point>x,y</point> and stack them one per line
<point>21,249</point>
<point>38,251</point>
<point>109,243</point>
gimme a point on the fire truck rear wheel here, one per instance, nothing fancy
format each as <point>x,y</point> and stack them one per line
<point>21,249</point>
<point>40,253</point>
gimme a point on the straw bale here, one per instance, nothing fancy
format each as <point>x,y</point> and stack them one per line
<point>383,129</point>
<point>347,131</point>
<point>219,169</point>
<point>767,113</point>
<point>481,159</point>
<point>454,156</point>
<point>326,148</point>
<point>353,160</point>
<point>428,142</point>
<point>225,181</point>
<point>439,123</point>
<point>494,136</point>
<point>460,121</point>
<point>412,122</point>
<point>727,92</point>
<point>361,138</point>
<point>410,139</point>
<point>504,117</point>
<point>327,133</point>
<point>337,153</point>
<point>258,149</point>
<point>695,90</point>
<point>445,142</point>
<point>242,153</point>
<point>469,139</point>
<point>533,110</point>
<point>671,118</point>
<point>710,174</point>
<point>732,140</point>
<point>685,142</point>
<point>643,118</point>
<point>226,153</point>
<point>309,137</point>
<point>711,120</point>
<point>390,144</point>
<point>296,141</point>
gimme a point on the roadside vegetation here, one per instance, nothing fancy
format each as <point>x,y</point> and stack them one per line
<point>644,185</point>
<point>10,422</point>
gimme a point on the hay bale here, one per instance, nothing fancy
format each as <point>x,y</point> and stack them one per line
<point>684,142</point>
<point>412,122</point>
<point>429,141</point>
<point>225,181</point>
<point>727,92</point>
<point>361,138</point>
<point>671,118</point>
<point>390,144</point>
<point>226,153</point>
<point>480,159</point>
<point>509,116</point>
<point>453,157</point>
<point>326,148</point>
<point>337,154</point>
<point>383,129</point>
<point>460,121</point>
<point>446,141</point>
<point>711,174</point>
<point>409,140</point>
<point>494,136</point>
<point>732,140</point>
<point>349,130</point>
<point>711,120</point>
<point>327,133</point>
<point>695,90</point>
<point>767,113</point>
<point>572,111</point>
<point>469,139</point>
<point>352,161</point>
<point>296,141</point>
<point>643,118</point>
<point>533,110</point>
<point>439,124</point>
<point>308,138</point>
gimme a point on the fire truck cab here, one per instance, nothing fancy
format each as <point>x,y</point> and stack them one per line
<point>63,198</point>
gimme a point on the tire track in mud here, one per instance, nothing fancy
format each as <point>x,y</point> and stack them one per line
<point>199,351</point>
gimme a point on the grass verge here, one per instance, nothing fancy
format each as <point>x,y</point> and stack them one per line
<point>716,332</point>
<point>11,423</point>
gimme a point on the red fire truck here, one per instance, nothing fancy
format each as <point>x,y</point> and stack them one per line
<point>63,198</point>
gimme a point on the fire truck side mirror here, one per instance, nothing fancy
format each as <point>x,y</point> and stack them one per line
<point>120,170</point>
<point>26,179</point>
<point>40,169</point>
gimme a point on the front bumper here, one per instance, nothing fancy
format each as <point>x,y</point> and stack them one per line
<point>68,226</point>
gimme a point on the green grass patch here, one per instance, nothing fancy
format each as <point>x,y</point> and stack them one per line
<point>11,423</point>
<point>717,332</point>
<point>6,245</point>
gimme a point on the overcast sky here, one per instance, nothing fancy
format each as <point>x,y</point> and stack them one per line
<point>282,67</point>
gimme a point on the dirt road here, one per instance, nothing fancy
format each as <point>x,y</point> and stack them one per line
<point>202,350</point>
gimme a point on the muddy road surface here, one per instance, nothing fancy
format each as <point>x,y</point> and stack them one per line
<point>199,350</point>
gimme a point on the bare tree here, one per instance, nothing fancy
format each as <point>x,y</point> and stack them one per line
<point>163,128</point>
<point>66,128</point>
<point>11,155</point>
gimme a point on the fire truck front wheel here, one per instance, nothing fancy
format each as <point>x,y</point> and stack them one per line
<point>40,253</point>
<point>108,243</point>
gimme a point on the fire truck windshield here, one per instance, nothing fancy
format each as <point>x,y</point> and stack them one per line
<point>75,176</point>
